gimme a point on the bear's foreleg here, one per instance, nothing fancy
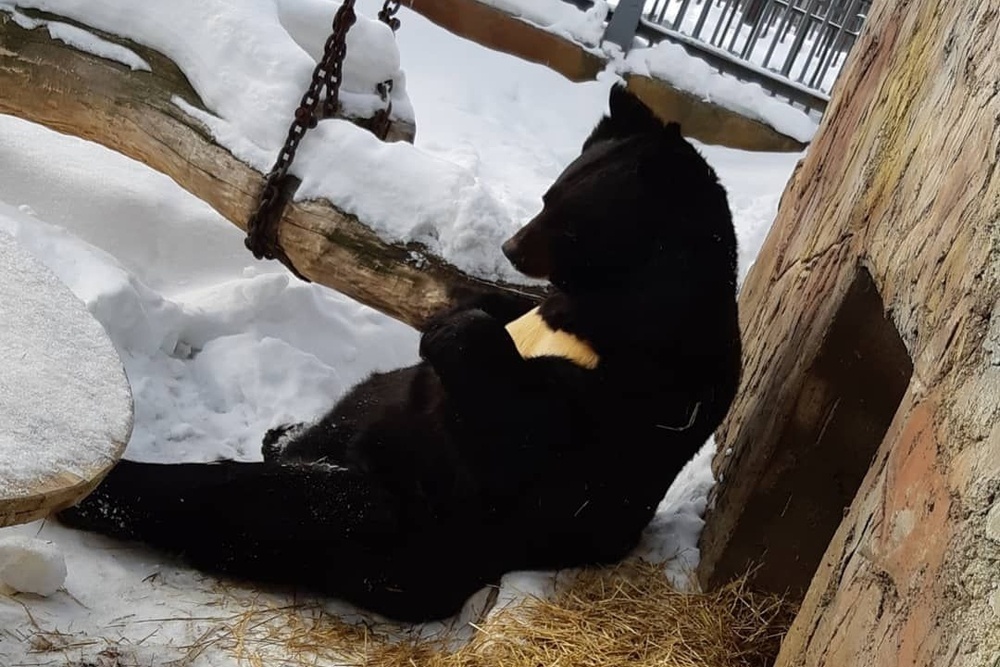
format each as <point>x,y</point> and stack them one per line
<point>504,306</point>
<point>471,351</point>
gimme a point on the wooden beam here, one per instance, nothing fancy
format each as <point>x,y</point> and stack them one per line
<point>498,30</point>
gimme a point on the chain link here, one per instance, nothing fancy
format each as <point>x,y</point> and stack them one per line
<point>262,227</point>
<point>388,14</point>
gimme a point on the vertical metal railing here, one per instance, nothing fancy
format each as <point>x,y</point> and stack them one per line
<point>794,48</point>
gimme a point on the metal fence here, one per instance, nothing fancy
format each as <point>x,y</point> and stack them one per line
<point>793,48</point>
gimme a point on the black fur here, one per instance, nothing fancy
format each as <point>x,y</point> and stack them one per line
<point>424,484</point>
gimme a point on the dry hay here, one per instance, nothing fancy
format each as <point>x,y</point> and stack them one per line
<point>626,615</point>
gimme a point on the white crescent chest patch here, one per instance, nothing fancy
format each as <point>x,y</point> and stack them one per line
<point>534,338</point>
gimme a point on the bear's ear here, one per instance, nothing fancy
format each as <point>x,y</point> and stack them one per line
<point>672,131</point>
<point>628,116</point>
<point>628,110</point>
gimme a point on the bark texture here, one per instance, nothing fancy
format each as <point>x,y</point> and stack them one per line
<point>899,193</point>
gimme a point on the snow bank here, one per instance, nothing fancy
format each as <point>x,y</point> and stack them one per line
<point>561,18</point>
<point>213,369</point>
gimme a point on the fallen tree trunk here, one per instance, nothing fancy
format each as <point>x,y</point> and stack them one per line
<point>51,83</point>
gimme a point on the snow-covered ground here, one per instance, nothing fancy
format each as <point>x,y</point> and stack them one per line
<point>219,347</point>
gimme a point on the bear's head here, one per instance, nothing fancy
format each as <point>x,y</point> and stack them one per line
<point>638,193</point>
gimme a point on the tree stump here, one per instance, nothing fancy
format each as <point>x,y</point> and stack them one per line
<point>859,468</point>
<point>65,402</point>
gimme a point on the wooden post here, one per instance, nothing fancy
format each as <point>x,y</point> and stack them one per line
<point>885,256</point>
<point>621,27</point>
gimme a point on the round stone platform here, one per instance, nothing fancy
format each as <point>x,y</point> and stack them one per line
<point>65,402</point>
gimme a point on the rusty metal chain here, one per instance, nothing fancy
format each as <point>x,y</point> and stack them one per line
<point>380,122</point>
<point>388,14</point>
<point>262,227</point>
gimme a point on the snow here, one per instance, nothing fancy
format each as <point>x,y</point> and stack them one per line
<point>672,536</point>
<point>247,66</point>
<point>253,370</point>
<point>219,347</point>
<point>561,18</point>
<point>79,39</point>
<point>20,19</point>
<point>91,43</point>
<point>29,565</point>
<point>66,402</point>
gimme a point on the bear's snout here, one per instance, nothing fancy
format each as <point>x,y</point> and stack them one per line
<point>528,251</point>
<point>509,249</point>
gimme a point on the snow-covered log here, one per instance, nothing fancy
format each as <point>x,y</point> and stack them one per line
<point>134,100</point>
<point>710,107</point>
<point>497,29</point>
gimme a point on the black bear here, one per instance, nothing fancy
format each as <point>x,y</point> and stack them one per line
<point>531,436</point>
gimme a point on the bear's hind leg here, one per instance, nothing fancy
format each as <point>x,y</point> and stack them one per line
<point>323,529</point>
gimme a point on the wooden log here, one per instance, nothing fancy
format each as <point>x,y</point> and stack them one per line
<point>51,83</point>
<point>496,29</point>
<point>708,122</point>
<point>887,240</point>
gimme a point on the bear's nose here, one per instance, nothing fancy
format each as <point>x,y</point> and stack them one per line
<point>509,249</point>
<point>528,253</point>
